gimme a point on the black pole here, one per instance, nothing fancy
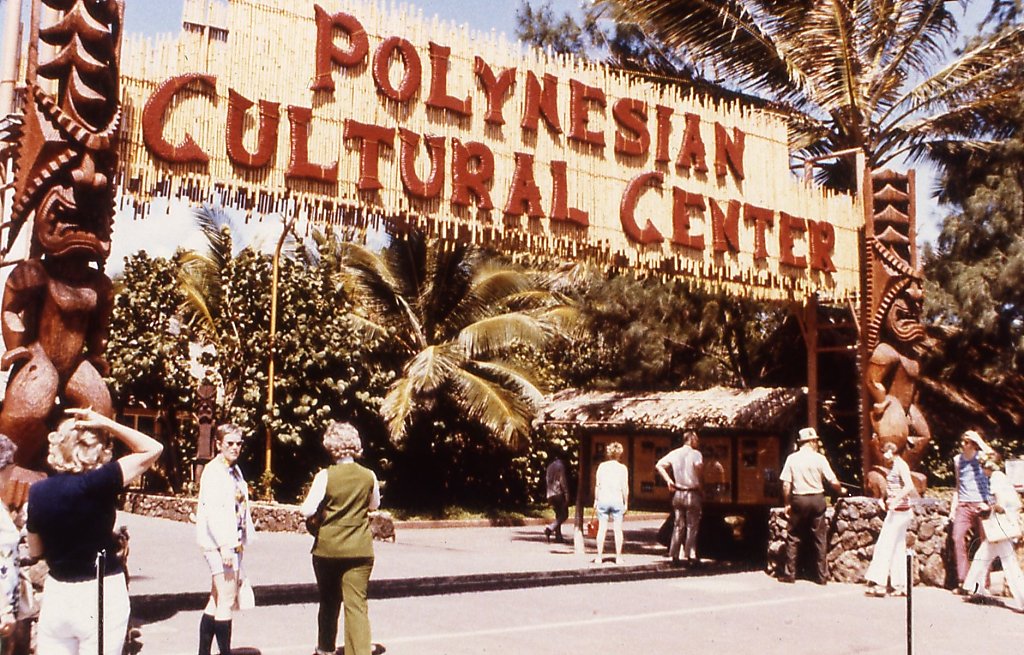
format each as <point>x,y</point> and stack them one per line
<point>101,566</point>
<point>910,602</point>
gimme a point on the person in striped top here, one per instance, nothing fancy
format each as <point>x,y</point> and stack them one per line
<point>887,562</point>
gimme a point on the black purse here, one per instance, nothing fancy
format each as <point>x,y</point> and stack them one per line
<point>315,520</point>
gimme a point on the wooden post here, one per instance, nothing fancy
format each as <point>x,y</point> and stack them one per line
<point>285,228</point>
<point>811,341</point>
<point>864,311</point>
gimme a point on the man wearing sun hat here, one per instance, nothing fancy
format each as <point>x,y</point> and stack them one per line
<point>971,499</point>
<point>803,491</point>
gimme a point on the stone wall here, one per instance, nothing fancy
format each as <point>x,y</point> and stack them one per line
<point>853,527</point>
<point>268,517</point>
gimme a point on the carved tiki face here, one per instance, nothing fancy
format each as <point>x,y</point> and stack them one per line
<point>67,155</point>
<point>903,320</point>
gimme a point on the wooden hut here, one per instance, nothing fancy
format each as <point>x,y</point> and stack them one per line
<point>745,435</point>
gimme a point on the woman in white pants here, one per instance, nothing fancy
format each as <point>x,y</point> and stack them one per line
<point>888,563</point>
<point>71,517</point>
<point>1007,501</point>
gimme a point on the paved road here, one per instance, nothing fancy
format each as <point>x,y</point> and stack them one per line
<point>738,613</point>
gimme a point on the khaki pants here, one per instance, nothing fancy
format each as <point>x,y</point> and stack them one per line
<point>343,580</point>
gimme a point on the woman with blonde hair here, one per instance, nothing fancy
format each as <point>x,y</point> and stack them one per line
<point>341,498</point>
<point>611,499</point>
<point>71,519</point>
<point>224,528</point>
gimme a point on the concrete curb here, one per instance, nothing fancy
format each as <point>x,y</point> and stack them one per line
<point>158,606</point>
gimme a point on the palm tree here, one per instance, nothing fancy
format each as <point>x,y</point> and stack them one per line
<point>874,75</point>
<point>455,316</point>
<point>204,280</point>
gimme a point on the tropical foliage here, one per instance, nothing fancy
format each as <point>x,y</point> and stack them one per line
<point>975,302</point>
<point>454,314</point>
<point>148,353</point>
<point>218,302</point>
<point>623,45</point>
<point>462,403</point>
<point>875,76</point>
<point>648,334</point>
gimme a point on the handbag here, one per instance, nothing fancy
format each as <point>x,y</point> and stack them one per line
<point>245,599</point>
<point>1001,527</point>
<point>591,528</point>
<point>665,531</point>
<point>316,519</point>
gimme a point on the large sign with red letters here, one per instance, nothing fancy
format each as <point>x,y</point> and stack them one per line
<point>346,112</point>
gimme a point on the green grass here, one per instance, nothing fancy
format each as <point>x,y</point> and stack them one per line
<point>513,516</point>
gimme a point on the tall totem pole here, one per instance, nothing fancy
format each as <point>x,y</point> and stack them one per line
<point>893,335</point>
<point>57,301</point>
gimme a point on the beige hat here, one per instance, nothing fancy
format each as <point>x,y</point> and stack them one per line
<point>975,438</point>
<point>808,434</point>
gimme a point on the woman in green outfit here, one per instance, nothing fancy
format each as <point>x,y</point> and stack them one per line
<point>342,495</point>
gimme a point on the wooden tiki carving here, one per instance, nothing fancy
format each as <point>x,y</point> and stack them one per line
<point>893,333</point>
<point>57,302</point>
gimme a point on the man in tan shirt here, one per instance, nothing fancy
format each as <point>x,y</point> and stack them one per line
<point>804,476</point>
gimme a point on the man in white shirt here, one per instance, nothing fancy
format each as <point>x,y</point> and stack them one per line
<point>803,491</point>
<point>681,469</point>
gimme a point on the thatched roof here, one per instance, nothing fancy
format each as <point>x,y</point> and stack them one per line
<point>764,409</point>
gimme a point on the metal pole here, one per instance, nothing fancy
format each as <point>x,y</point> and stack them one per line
<point>101,565</point>
<point>268,470</point>
<point>910,602</point>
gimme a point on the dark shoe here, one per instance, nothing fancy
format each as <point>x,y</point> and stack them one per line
<point>821,583</point>
<point>547,534</point>
<point>693,563</point>
<point>559,539</point>
<point>787,579</point>
<point>677,564</point>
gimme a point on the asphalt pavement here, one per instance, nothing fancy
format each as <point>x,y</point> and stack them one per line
<point>538,597</point>
<point>167,571</point>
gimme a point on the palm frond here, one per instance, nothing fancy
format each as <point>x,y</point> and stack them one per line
<point>993,65</point>
<point>916,34</point>
<point>196,309</point>
<point>430,368</point>
<point>500,409</point>
<point>448,278</point>
<point>398,407</point>
<point>512,378</point>
<point>487,294</point>
<point>215,226</point>
<point>369,279</point>
<point>825,47</point>
<point>497,334</point>
<point>566,320</point>
<point>735,35</point>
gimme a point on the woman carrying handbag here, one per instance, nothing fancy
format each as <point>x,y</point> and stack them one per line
<point>224,528</point>
<point>339,502</point>
<point>1006,507</point>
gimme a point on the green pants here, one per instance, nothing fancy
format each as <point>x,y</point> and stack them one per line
<point>343,580</point>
